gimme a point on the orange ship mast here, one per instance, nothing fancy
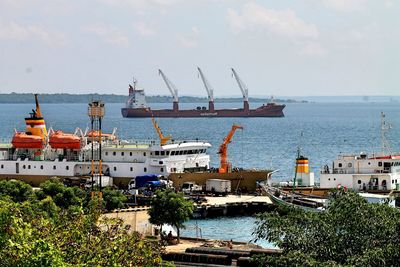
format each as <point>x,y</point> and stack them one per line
<point>163,139</point>
<point>223,149</point>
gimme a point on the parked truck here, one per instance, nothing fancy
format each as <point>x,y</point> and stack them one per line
<point>106,181</point>
<point>218,186</point>
<point>191,187</point>
<point>149,182</point>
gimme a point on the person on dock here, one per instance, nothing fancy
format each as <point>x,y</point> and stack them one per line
<point>169,236</point>
<point>229,244</point>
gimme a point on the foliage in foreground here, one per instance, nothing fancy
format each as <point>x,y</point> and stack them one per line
<point>168,207</point>
<point>351,232</point>
<point>53,229</point>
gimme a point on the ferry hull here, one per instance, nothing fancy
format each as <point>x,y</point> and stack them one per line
<point>269,110</point>
<point>36,180</point>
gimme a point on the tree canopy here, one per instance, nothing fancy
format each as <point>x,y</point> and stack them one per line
<point>53,228</point>
<point>168,207</point>
<point>351,232</point>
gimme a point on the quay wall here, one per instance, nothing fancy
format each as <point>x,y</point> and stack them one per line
<point>245,180</point>
<point>137,218</point>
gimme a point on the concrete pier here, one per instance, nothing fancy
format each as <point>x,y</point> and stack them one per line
<point>232,205</point>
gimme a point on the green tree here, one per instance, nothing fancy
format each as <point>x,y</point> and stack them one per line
<point>18,191</point>
<point>350,232</point>
<point>62,195</point>
<point>69,238</point>
<point>113,199</point>
<point>168,207</point>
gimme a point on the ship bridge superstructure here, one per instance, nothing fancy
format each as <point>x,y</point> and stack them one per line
<point>362,172</point>
<point>137,97</point>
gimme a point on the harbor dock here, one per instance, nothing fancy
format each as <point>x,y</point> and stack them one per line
<point>231,205</point>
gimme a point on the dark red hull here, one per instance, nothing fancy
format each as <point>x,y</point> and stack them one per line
<point>269,110</point>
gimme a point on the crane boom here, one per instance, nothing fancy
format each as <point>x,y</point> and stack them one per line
<point>210,90</point>
<point>163,139</point>
<point>223,149</point>
<point>170,85</point>
<point>242,86</point>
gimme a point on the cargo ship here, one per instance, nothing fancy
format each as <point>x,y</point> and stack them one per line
<point>136,106</point>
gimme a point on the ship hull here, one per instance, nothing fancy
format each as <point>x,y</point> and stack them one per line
<point>269,110</point>
<point>36,180</point>
<point>246,180</point>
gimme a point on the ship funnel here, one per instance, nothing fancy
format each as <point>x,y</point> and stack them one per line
<point>302,165</point>
<point>35,124</point>
<point>304,177</point>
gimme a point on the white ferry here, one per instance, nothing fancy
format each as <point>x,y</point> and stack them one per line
<point>35,155</point>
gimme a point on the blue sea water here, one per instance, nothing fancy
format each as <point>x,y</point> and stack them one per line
<point>328,130</point>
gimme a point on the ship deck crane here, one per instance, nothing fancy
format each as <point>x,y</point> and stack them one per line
<point>223,150</point>
<point>243,88</point>
<point>163,139</point>
<point>172,89</point>
<point>210,90</point>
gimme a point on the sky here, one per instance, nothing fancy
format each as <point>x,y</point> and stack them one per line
<point>280,48</point>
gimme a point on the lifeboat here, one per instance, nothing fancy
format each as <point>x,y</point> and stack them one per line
<point>95,135</point>
<point>23,140</point>
<point>61,140</point>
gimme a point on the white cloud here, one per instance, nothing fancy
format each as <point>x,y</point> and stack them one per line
<point>28,33</point>
<point>313,49</point>
<point>187,42</point>
<point>109,35</point>
<point>388,3</point>
<point>345,5</point>
<point>280,22</point>
<point>141,6</point>
<point>143,29</point>
<point>191,39</point>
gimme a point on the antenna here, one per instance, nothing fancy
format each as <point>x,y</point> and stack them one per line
<point>385,127</point>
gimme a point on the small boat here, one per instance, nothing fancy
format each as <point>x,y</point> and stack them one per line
<point>61,140</point>
<point>296,201</point>
<point>23,140</point>
<point>105,136</point>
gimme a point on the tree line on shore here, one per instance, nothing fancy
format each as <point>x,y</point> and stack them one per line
<point>16,98</point>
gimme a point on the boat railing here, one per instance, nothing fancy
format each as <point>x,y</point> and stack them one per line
<point>152,142</point>
<point>5,140</point>
<point>351,171</point>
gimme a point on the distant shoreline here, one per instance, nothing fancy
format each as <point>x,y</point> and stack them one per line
<point>16,98</point>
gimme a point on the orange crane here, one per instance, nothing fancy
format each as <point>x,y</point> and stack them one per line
<point>223,150</point>
<point>163,139</point>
